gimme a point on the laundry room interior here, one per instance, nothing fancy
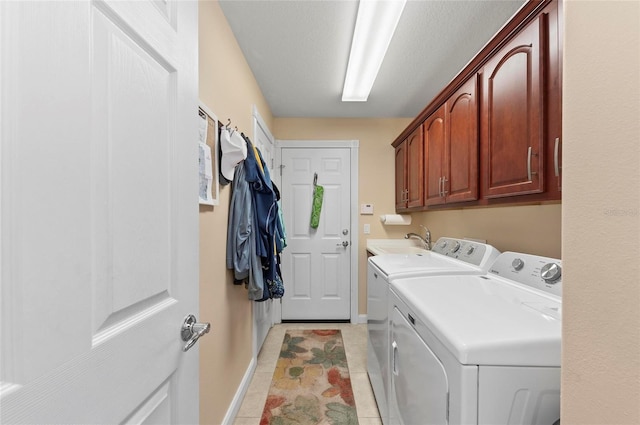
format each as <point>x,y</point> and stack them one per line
<point>600,330</point>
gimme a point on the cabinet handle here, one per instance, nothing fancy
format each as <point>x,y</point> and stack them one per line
<point>444,182</point>
<point>556,151</point>
<point>529,172</point>
<point>439,186</point>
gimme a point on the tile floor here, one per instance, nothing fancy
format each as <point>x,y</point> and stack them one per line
<point>355,345</point>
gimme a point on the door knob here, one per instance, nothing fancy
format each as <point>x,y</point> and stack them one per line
<point>344,244</point>
<point>192,331</point>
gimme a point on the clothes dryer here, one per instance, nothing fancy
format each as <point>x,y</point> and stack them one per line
<point>449,256</point>
<point>478,349</point>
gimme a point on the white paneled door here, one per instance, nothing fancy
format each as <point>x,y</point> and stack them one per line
<point>262,311</point>
<point>98,211</point>
<point>316,264</point>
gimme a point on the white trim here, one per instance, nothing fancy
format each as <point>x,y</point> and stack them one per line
<point>262,124</point>
<point>259,122</point>
<point>234,407</point>
<point>353,145</point>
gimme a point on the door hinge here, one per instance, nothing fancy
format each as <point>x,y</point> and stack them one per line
<point>281,166</point>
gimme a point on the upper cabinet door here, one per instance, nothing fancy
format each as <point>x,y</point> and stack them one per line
<point>461,164</point>
<point>401,176</point>
<point>415,169</point>
<point>434,153</point>
<point>513,115</point>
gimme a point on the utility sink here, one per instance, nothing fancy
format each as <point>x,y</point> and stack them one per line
<point>394,246</point>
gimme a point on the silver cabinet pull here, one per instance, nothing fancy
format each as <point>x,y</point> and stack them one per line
<point>529,164</point>
<point>440,186</point>
<point>556,151</point>
<point>192,331</point>
<point>444,182</point>
<point>529,172</point>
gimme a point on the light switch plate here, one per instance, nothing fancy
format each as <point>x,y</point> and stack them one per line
<point>367,229</point>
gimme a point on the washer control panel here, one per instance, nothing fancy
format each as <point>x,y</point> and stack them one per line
<point>542,273</point>
<point>471,252</point>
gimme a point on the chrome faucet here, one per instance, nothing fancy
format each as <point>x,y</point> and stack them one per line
<point>426,240</point>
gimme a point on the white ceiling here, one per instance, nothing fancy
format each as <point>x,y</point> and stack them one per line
<point>298,52</point>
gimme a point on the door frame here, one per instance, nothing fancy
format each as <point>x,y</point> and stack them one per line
<point>353,146</point>
<point>259,123</point>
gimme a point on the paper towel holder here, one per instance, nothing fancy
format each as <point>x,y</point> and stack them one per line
<point>395,219</point>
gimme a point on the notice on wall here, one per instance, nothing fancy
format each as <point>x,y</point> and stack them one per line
<point>207,161</point>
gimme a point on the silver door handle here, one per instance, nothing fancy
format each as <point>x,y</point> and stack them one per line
<point>192,331</point>
<point>394,354</point>
<point>344,244</point>
<point>444,182</point>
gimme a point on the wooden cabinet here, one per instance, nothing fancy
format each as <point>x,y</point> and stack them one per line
<point>435,152</point>
<point>451,149</point>
<point>410,172</point>
<point>494,135</point>
<point>401,176</point>
<point>512,115</point>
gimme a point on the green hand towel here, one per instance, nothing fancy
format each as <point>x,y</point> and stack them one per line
<point>318,194</point>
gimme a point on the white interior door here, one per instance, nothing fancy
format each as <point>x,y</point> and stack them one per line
<point>262,311</point>
<point>98,203</point>
<point>316,265</point>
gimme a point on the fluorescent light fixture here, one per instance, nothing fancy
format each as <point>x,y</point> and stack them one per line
<point>377,21</point>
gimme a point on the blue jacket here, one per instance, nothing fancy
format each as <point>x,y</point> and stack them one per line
<point>241,237</point>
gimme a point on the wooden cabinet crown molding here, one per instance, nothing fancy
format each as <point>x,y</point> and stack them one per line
<point>524,16</point>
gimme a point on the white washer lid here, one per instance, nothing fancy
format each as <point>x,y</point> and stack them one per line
<point>429,262</point>
<point>487,320</point>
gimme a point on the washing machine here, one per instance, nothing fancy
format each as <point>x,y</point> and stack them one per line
<point>481,349</point>
<point>448,256</point>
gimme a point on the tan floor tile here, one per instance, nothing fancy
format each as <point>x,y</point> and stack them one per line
<point>256,396</point>
<point>362,392</point>
<point>251,421</point>
<point>355,342</point>
<point>369,421</point>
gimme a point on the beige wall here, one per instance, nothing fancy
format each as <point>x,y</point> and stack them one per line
<point>601,214</point>
<point>376,184</point>
<point>229,89</point>
<point>534,229</point>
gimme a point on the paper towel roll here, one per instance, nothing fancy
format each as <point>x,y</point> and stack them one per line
<point>395,219</point>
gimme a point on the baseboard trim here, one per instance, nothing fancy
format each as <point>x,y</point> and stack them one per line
<point>362,318</point>
<point>232,412</point>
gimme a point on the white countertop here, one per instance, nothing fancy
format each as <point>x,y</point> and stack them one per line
<point>395,246</point>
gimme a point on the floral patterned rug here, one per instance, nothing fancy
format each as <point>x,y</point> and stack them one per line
<point>311,383</point>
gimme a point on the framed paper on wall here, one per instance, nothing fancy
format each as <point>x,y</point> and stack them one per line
<point>209,190</point>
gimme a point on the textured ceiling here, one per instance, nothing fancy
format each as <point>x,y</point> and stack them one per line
<point>298,52</point>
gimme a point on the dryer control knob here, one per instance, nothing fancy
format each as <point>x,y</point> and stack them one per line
<point>551,272</point>
<point>471,249</point>
<point>517,264</point>
<point>455,247</point>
